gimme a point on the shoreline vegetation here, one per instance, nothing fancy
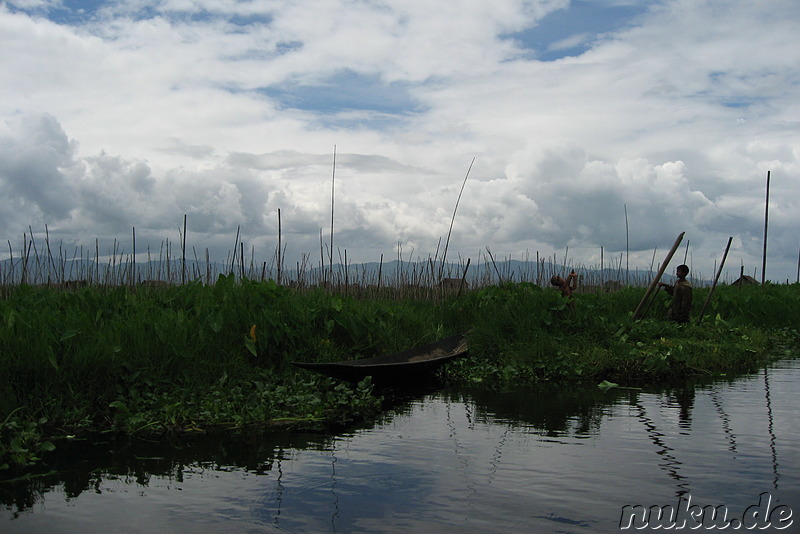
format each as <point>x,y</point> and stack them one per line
<point>163,360</point>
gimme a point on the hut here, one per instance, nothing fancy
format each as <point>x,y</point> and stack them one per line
<point>745,280</point>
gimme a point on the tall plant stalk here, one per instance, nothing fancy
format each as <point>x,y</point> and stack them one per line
<point>452,220</point>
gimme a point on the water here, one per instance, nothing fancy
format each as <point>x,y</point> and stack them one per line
<point>550,459</point>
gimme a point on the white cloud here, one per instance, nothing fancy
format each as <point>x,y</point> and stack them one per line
<point>141,112</point>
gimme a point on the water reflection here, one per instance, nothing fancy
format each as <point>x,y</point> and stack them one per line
<point>726,420</point>
<point>770,429</point>
<point>554,458</point>
<point>668,462</point>
<point>81,465</point>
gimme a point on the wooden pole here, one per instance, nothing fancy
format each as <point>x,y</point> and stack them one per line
<point>133,270</point>
<point>654,283</point>
<point>602,274</point>
<point>333,181</point>
<point>627,249</point>
<point>463,279</point>
<point>766,220</point>
<point>278,259</point>
<point>183,252</point>
<point>716,279</point>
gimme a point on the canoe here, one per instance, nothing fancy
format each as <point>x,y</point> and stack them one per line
<point>416,364</point>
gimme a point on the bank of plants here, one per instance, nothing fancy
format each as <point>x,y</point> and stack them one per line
<point>526,333</point>
<point>194,357</point>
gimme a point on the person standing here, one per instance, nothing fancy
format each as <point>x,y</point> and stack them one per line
<point>681,292</point>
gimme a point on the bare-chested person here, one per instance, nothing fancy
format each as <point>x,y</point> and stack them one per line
<point>566,286</point>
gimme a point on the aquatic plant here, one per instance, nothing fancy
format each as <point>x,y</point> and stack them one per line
<point>185,358</point>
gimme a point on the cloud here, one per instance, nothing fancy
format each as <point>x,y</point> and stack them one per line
<point>33,153</point>
<point>134,114</point>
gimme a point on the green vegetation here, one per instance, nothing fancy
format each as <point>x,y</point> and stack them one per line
<point>194,357</point>
<point>526,333</point>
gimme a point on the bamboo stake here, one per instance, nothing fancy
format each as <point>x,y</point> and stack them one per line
<point>333,181</point>
<point>716,279</point>
<point>653,259</point>
<point>463,279</point>
<point>51,263</point>
<point>654,283</point>
<point>279,247</point>
<point>235,246</point>
<point>602,274</point>
<point>496,270</point>
<point>183,252</point>
<point>241,260</point>
<point>133,239</point>
<point>380,273</point>
<point>627,249</point>
<point>766,220</point>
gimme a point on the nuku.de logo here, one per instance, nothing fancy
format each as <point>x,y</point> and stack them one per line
<point>686,515</point>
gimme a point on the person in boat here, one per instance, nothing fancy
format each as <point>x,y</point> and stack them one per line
<point>566,286</point>
<point>681,293</point>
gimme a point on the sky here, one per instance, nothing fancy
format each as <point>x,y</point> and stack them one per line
<point>577,128</point>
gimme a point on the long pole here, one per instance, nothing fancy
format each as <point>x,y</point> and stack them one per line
<point>133,273</point>
<point>183,252</point>
<point>654,283</point>
<point>716,279</point>
<point>279,248</point>
<point>333,181</point>
<point>627,248</point>
<point>602,274</point>
<point>766,221</point>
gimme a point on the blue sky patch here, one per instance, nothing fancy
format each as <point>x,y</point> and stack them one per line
<point>572,31</point>
<point>346,91</point>
<point>75,11</point>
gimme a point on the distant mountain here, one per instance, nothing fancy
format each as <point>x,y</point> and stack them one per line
<point>425,273</point>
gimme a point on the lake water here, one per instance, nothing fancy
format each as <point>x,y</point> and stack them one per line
<point>558,459</point>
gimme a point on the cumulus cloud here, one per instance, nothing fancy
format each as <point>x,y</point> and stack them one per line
<point>34,153</point>
<point>134,114</point>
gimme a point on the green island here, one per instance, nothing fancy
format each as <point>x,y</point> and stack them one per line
<point>156,361</point>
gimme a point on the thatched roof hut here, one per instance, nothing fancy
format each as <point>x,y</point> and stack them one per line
<point>745,280</point>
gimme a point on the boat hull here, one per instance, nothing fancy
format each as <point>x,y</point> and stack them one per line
<point>412,365</point>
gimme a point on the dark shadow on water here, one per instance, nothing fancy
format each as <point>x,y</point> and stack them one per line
<point>552,410</point>
<point>79,465</point>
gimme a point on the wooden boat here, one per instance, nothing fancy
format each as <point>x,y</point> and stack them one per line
<point>415,364</point>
